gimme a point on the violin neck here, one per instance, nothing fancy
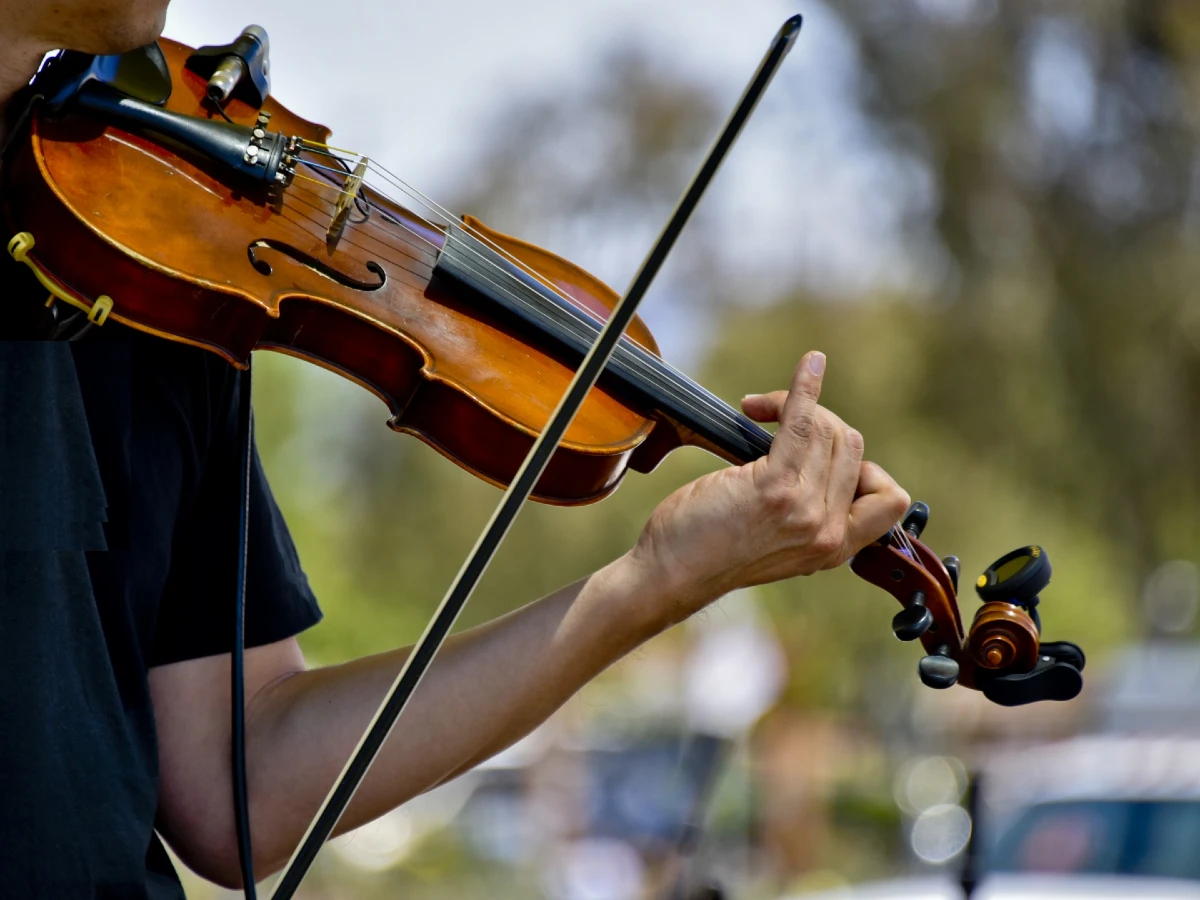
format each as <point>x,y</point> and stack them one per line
<point>697,416</point>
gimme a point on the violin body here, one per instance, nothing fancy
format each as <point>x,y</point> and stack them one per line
<point>185,255</point>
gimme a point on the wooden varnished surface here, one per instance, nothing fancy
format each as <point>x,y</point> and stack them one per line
<point>114,213</point>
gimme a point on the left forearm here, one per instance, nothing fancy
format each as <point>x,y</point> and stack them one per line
<point>489,687</point>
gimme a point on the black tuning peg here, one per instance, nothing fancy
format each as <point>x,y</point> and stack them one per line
<point>1057,676</point>
<point>1065,652</point>
<point>912,621</point>
<point>938,670</point>
<point>952,568</point>
<point>916,519</point>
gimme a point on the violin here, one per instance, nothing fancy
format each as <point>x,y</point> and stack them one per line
<point>167,190</point>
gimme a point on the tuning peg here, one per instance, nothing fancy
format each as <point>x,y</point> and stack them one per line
<point>938,670</point>
<point>952,568</point>
<point>1065,652</point>
<point>912,621</point>
<point>916,519</point>
<point>1053,678</point>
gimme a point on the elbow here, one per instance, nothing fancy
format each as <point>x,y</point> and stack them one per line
<point>218,861</point>
<point>206,842</point>
<point>221,873</point>
<point>208,848</point>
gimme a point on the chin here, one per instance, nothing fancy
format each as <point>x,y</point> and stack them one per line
<point>142,24</point>
<point>116,26</point>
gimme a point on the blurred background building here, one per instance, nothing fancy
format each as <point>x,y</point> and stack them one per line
<point>987,214</point>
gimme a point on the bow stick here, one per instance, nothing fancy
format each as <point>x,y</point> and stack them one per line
<point>460,590</point>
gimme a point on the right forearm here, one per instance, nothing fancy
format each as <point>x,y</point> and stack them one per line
<point>489,687</point>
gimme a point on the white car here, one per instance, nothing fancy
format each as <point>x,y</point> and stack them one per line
<point>1100,817</point>
<point>1017,887</point>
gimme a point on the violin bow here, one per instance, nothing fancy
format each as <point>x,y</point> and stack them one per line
<point>460,590</point>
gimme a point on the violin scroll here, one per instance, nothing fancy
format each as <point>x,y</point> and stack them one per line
<point>1001,654</point>
<point>1005,638</point>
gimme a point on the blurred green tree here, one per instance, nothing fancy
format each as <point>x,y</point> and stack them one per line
<point>1039,385</point>
<point>1062,137</point>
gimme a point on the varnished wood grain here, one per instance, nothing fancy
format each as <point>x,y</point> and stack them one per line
<point>167,238</point>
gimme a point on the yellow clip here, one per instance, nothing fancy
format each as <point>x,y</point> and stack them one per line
<point>97,312</point>
<point>20,245</point>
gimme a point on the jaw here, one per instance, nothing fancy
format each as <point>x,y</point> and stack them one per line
<point>90,26</point>
<point>19,61</point>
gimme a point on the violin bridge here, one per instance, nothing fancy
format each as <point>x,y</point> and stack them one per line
<point>345,203</point>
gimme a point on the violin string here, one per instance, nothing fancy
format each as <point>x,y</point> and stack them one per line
<point>432,248</point>
<point>415,252</point>
<point>908,545</point>
<point>910,549</point>
<point>318,181</point>
<point>406,229</point>
<point>449,217</point>
<point>329,185</point>
<point>404,265</point>
<point>328,149</point>
<point>680,397</point>
<point>409,230</point>
<point>715,408</point>
<point>694,391</point>
<point>679,386</point>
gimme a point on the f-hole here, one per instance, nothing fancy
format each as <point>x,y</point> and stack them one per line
<point>310,262</point>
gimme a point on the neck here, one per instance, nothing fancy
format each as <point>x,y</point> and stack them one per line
<point>656,387</point>
<point>19,60</point>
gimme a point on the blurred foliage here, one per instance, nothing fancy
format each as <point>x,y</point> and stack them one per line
<point>1042,387</point>
<point>1063,140</point>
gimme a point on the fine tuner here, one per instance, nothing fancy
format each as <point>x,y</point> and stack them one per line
<point>1002,654</point>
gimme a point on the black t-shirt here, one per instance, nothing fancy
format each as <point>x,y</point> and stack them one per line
<point>118,550</point>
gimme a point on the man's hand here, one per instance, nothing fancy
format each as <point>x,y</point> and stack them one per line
<point>810,504</point>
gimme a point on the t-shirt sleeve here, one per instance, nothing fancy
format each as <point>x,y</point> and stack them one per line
<point>196,614</point>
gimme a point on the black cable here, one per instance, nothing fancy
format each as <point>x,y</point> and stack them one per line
<point>220,107</point>
<point>241,803</point>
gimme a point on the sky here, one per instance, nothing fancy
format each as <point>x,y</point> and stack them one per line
<point>384,67</point>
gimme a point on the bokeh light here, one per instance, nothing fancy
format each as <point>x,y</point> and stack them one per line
<point>940,833</point>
